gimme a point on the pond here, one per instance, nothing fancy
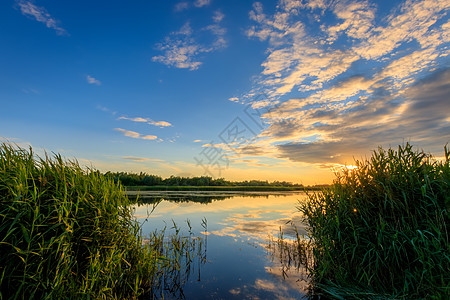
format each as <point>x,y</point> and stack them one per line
<point>241,260</point>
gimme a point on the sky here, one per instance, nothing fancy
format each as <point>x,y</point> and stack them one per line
<point>288,90</point>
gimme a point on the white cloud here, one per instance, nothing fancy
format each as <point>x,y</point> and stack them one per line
<point>303,60</point>
<point>218,16</point>
<point>92,80</point>
<point>180,50</point>
<point>413,22</point>
<point>148,121</point>
<point>183,49</point>
<point>40,14</point>
<point>201,3</point>
<point>136,119</point>
<point>197,141</point>
<point>136,135</point>
<point>234,99</point>
<point>178,55</point>
<point>358,18</point>
<point>160,123</point>
<point>180,6</point>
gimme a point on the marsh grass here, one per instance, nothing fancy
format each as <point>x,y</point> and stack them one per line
<point>291,254</point>
<point>381,231</point>
<point>187,254</point>
<point>66,232</point>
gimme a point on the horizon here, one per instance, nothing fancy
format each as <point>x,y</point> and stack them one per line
<point>260,90</point>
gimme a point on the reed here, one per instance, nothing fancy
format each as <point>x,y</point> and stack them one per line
<point>381,230</point>
<point>66,232</point>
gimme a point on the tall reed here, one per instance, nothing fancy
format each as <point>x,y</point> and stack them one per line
<point>383,228</point>
<point>66,232</point>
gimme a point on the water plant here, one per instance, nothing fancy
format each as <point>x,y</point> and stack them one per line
<point>382,229</point>
<point>182,257</point>
<point>291,254</point>
<point>69,232</point>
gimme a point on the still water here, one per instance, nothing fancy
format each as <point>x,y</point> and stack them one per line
<point>238,261</point>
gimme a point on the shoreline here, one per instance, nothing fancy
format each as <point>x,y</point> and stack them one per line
<point>223,188</point>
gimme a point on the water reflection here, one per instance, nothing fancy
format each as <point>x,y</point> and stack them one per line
<point>240,263</point>
<point>146,197</point>
<point>180,257</point>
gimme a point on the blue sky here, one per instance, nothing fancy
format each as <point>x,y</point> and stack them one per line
<point>287,90</point>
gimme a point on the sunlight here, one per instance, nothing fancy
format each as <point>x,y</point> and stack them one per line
<point>350,167</point>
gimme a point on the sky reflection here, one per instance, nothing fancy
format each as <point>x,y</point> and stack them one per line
<point>239,264</point>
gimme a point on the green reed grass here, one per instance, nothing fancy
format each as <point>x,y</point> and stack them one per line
<point>382,230</point>
<point>66,232</point>
<point>290,253</point>
<point>187,254</point>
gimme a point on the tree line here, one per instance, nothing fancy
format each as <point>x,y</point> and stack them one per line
<point>144,179</point>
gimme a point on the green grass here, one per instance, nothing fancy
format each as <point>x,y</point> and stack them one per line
<point>66,232</point>
<point>382,230</point>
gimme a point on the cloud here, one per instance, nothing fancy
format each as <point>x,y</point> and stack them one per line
<point>420,116</point>
<point>412,23</point>
<point>180,50</point>
<point>197,141</point>
<point>366,78</point>
<point>136,135</point>
<point>140,159</point>
<point>218,16</point>
<point>296,60</point>
<point>183,49</point>
<point>30,91</point>
<point>160,123</point>
<point>105,109</point>
<point>148,121</point>
<point>234,99</point>
<point>357,19</point>
<point>180,6</point>
<point>179,54</point>
<point>40,14</point>
<point>92,80</point>
<point>201,3</point>
<point>302,60</point>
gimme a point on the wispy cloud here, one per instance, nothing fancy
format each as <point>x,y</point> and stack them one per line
<point>136,135</point>
<point>184,5</point>
<point>148,121</point>
<point>201,3</point>
<point>30,91</point>
<point>183,49</point>
<point>180,50</point>
<point>40,14</point>
<point>160,123</point>
<point>92,80</point>
<point>140,159</point>
<point>300,60</point>
<point>362,80</point>
<point>218,16</point>
<point>180,6</point>
<point>106,109</point>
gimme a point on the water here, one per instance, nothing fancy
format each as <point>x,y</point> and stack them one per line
<point>238,262</point>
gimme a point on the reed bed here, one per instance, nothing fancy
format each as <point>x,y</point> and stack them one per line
<point>291,254</point>
<point>382,229</point>
<point>187,254</point>
<point>66,232</point>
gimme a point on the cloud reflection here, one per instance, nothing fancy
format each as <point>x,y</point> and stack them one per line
<point>250,221</point>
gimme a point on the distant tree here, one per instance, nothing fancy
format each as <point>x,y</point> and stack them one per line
<point>144,179</point>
